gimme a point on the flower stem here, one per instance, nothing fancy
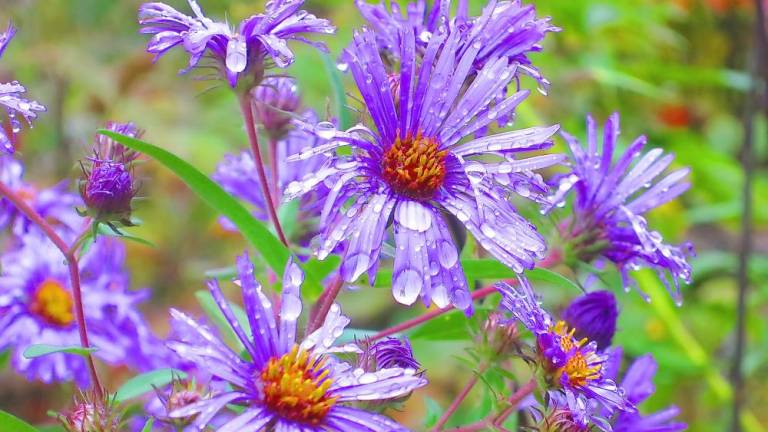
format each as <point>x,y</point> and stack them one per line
<point>324,304</point>
<point>274,169</point>
<point>74,273</point>
<point>460,398</point>
<point>752,104</point>
<point>247,110</point>
<point>483,292</point>
<point>496,421</point>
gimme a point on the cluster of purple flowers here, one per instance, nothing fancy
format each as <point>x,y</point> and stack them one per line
<point>37,303</point>
<point>424,165</point>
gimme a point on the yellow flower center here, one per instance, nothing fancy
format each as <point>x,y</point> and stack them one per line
<point>579,368</point>
<point>296,387</point>
<point>414,166</point>
<point>53,303</point>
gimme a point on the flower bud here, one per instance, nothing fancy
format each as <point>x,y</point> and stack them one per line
<point>274,100</point>
<point>389,352</point>
<point>108,185</point>
<point>593,316</point>
<point>90,415</point>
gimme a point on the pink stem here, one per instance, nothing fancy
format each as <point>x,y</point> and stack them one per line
<point>483,292</point>
<point>459,398</point>
<point>275,169</point>
<point>324,304</point>
<point>247,110</point>
<point>498,420</point>
<point>74,274</point>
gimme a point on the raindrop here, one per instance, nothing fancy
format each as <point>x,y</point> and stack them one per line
<point>407,286</point>
<point>325,130</point>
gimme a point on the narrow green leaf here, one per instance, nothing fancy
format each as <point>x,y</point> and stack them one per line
<point>433,412</point>
<point>255,232</point>
<point>492,269</point>
<point>274,252</point>
<point>488,269</point>
<point>212,310</point>
<point>39,350</point>
<point>322,269</point>
<point>5,357</point>
<point>353,334</point>
<point>288,214</point>
<point>339,94</point>
<point>221,273</point>
<point>148,425</point>
<point>107,231</point>
<point>146,382</point>
<point>449,326</point>
<point>11,423</point>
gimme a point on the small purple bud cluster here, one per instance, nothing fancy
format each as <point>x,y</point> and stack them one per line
<point>109,185</point>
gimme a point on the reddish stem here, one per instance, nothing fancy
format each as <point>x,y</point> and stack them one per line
<point>498,420</point>
<point>274,168</point>
<point>483,292</point>
<point>247,110</point>
<point>324,304</point>
<point>74,273</point>
<point>459,398</point>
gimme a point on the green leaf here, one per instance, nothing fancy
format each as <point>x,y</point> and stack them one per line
<point>288,215</point>
<point>322,269</point>
<point>147,382</point>
<point>488,269</point>
<point>259,236</point>
<point>107,231</point>
<point>5,356</point>
<point>433,412</point>
<point>339,94</point>
<point>448,326</point>
<point>274,252</point>
<point>353,334</point>
<point>40,350</point>
<point>11,423</point>
<point>212,310</point>
<point>148,425</point>
<point>221,273</point>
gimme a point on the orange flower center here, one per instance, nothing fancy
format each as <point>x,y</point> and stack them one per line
<point>296,387</point>
<point>579,370</point>
<point>580,367</point>
<point>414,166</point>
<point>53,303</point>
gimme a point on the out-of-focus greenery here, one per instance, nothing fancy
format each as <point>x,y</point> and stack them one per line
<point>675,70</point>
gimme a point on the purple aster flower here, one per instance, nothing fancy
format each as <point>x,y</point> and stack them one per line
<point>179,394</point>
<point>610,199</point>
<point>505,29</point>
<point>237,175</point>
<point>285,383</point>
<point>411,168</point>
<point>594,316</point>
<point>239,53</point>
<point>11,98</point>
<point>638,386</point>
<point>275,100</point>
<point>389,352</point>
<point>55,204</point>
<point>109,187</point>
<point>36,307</point>
<point>573,368</point>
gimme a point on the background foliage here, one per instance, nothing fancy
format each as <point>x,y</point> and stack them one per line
<point>674,69</point>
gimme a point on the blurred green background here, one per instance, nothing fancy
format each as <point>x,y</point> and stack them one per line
<point>675,69</point>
